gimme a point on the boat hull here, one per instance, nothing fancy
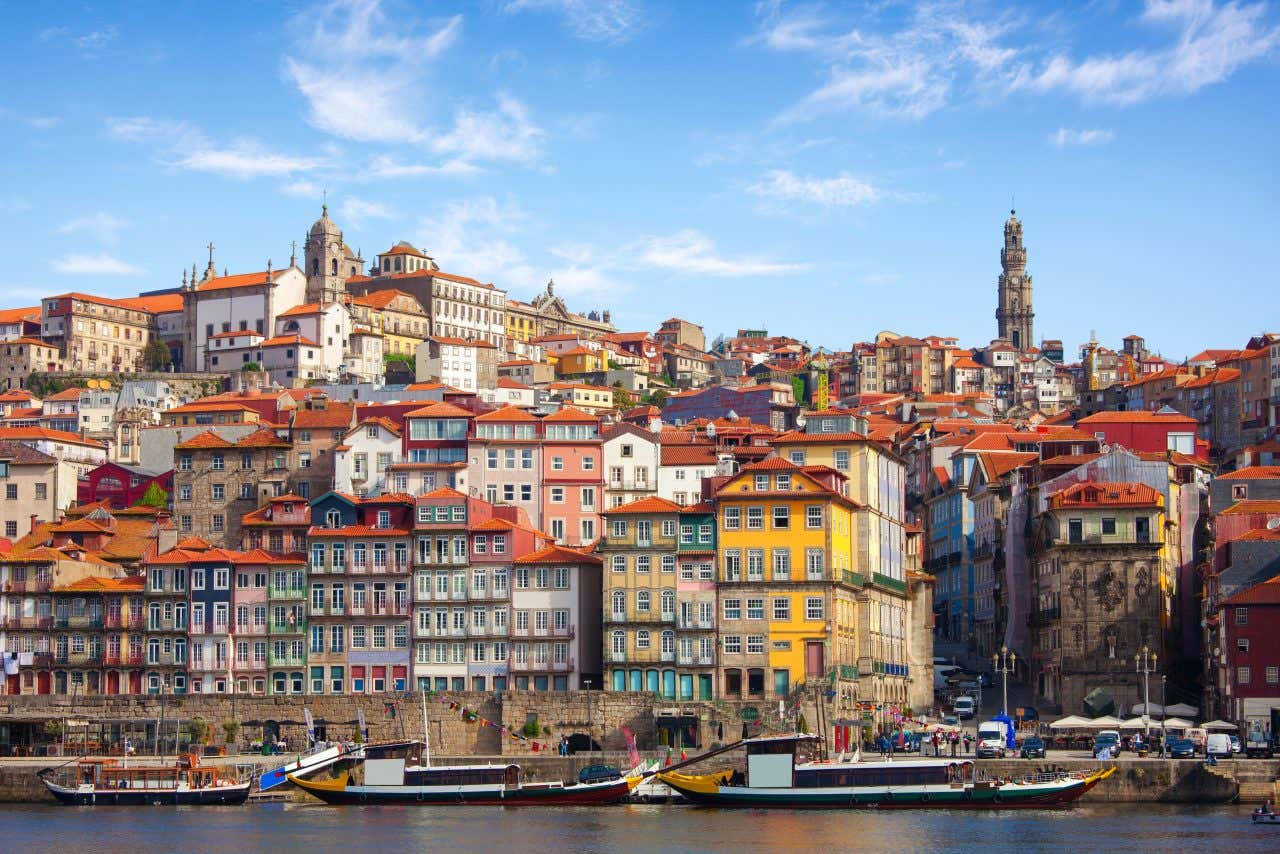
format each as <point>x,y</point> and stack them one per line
<point>305,765</point>
<point>213,796</point>
<point>708,792</point>
<point>341,792</point>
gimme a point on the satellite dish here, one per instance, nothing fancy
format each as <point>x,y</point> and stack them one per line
<point>1273,524</point>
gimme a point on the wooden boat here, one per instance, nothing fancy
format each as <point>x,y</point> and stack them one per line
<point>396,773</point>
<point>1265,816</point>
<point>99,782</point>
<point>308,763</point>
<point>775,778</point>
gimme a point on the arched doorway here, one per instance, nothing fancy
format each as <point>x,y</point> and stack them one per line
<point>580,742</point>
<point>270,731</point>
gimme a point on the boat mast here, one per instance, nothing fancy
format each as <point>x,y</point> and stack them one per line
<point>426,731</point>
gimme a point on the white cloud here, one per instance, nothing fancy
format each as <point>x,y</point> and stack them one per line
<point>185,146</point>
<point>1070,136</point>
<point>383,166</point>
<point>472,237</point>
<point>359,211</point>
<point>368,87</point>
<point>690,251</point>
<point>101,225</point>
<point>101,264</point>
<point>911,61</point>
<point>88,43</point>
<point>245,158</point>
<point>843,190</point>
<point>593,20</point>
<point>303,190</point>
<point>504,134</point>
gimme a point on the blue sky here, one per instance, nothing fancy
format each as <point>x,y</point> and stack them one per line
<point>824,170</point>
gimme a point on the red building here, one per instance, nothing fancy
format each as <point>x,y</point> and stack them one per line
<point>1251,630</point>
<point>1160,431</point>
<point>434,448</point>
<point>121,485</point>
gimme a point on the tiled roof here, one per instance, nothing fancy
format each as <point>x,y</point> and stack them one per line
<point>97,584</point>
<point>507,382</point>
<point>439,410</point>
<point>376,420</point>
<point>651,504</point>
<point>444,492</point>
<point>21,454</point>
<point>570,413</point>
<point>1265,534</point>
<point>381,299</point>
<point>404,248</point>
<point>1252,505</point>
<point>357,531</point>
<point>209,407</point>
<point>558,554</point>
<point>264,438</point>
<point>700,507</point>
<point>998,465</point>
<point>290,339</point>
<point>13,315</point>
<point>66,394</point>
<point>1091,494</point>
<point>207,439</point>
<point>38,433</point>
<point>1266,593</point>
<point>688,455</point>
<point>333,415</point>
<point>158,304</point>
<point>1252,473</point>
<point>506,413</point>
<point>1137,417</point>
<point>794,436</point>
<point>239,280</point>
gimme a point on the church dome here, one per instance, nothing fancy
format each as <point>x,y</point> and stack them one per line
<point>324,225</point>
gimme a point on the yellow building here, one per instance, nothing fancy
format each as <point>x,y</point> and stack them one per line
<point>398,316</point>
<point>590,398</point>
<point>786,586</point>
<point>877,485</point>
<point>582,360</point>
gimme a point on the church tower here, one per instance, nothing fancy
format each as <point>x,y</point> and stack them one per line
<point>328,261</point>
<point>1014,317</point>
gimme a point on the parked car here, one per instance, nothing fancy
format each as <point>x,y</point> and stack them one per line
<point>964,708</point>
<point>1107,743</point>
<point>1236,747</point>
<point>989,750</point>
<point>1257,746</point>
<point>1218,744</point>
<point>951,720</point>
<point>1182,748</point>
<point>1032,748</point>
<point>598,774</point>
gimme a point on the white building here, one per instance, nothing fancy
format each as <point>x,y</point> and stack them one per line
<point>631,458</point>
<point>466,365</point>
<point>555,619</point>
<point>326,324</point>
<point>682,470</point>
<point>360,463</point>
<point>508,392</point>
<point>246,302</point>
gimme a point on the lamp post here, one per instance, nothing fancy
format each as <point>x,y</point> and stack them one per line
<point>1145,662</point>
<point>591,747</point>
<point>1164,680</point>
<point>1004,662</point>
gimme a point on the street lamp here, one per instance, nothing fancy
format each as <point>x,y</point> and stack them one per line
<point>1004,662</point>
<point>1164,680</point>
<point>1145,662</point>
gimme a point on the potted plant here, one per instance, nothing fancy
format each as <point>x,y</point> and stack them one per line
<point>230,729</point>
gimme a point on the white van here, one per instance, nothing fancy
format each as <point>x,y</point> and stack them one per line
<point>964,708</point>
<point>1218,744</point>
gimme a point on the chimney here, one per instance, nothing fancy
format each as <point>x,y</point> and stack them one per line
<point>35,520</point>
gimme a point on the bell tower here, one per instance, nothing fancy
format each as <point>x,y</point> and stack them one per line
<point>324,255</point>
<point>1014,315</point>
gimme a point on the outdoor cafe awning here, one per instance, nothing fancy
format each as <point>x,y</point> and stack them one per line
<point>1220,725</point>
<point>1176,723</point>
<point>1104,722</point>
<point>1182,710</point>
<point>1070,722</point>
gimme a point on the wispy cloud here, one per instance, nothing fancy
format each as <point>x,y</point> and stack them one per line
<point>1210,41</point>
<point>503,134</point>
<point>184,146</point>
<point>843,190</point>
<point>1065,137</point>
<point>359,211</point>
<point>692,252</point>
<point>593,20</point>
<point>302,189</point>
<point>89,43</point>
<point>911,61</point>
<point>384,166</point>
<point>476,235</point>
<point>102,226</point>
<point>368,87</point>
<point>101,264</point>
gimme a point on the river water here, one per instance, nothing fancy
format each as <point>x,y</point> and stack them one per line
<point>277,828</point>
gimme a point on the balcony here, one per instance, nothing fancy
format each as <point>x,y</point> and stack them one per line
<point>543,632</point>
<point>134,659</point>
<point>853,579</point>
<point>209,666</point>
<point>286,593</point>
<point>706,660</point>
<point>27,622</point>
<point>287,628</point>
<point>542,666</point>
<point>389,609</point>
<point>288,660</point>
<point>686,660</point>
<point>244,665</point>
<point>617,657</point>
<point>667,656</point>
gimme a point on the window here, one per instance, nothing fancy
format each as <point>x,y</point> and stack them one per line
<point>813,516</point>
<point>619,563</point>
<point>218,491</point>
<point>782,564</point>
<point>732,565</point>
<point>755,518</point>
<point>732,644</point>
<point>755,564</point>
<point>11,491</point>
<point>1108,525</point>
<point>733,609</point>
<point>642,601</point>
<point>218,523</point>
<point>755,644</point>
<point>814,568</point>
<point>1242,616</point>
<point>557,463</point>
<point>619,527</point>
<point>781,518</point>
<point>797,458</point>
<point>782,609</point>
<point>732,518</point>
<point>842,460</point>
<point>668,563</point>
<point>1242,644</point>
<point>1273,674</point>
<point>755,609</point>
<point>642,639</point>
<point>784,483</point>
<point>557,495</point>
<point>1242,675</point>
<point>813,608</point>
<point>643,562</point>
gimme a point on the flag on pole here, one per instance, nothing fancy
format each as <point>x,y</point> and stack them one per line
<point>311,725</point>
<point>632,753</point>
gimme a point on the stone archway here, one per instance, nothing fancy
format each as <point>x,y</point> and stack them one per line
<point>582,743</point>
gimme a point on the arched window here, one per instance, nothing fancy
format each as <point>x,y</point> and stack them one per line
<point>618,643</point>
<point>668,602</point>
<point>669,641</point>
<point>642,639</point>
<point>315,266</point>
<point>642,601</point>
<point>619,602</point>
<point>333,266</point>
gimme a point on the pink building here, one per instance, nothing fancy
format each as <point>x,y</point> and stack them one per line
<point>572,477</point>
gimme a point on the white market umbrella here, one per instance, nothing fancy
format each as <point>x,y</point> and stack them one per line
<point>1181,710</point>
<point>1139,723</point>
<point>1069,722</point>
<point>1104,722</point>
<point>1155,709</point>
<point>1175,723</point>
<point>1227,725</point>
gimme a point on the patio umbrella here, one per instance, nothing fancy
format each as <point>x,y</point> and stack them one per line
<point>1155,709</point>
<point>1225,725</point>
<point>1104,722</point>
<point>1139,723</point>
<point>1175,723</point>
<point>1069,722</point>
<point>1182,710</point>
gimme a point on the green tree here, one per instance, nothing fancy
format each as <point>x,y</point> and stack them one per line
<point>155,496</point>
<point>659,397</point>
<point>622,398</point>
<point>156,356</point>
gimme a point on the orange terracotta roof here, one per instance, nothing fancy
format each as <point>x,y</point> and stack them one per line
<point>506,413</point>
<point>13,315</point>
<point>507,382</point>
<point>356,531</point>
<point>292,339</point>
<point>688,455</point>
<point>1266,534</point>
<point>116,303</point>
<point>381,299</point>
<point>237,333</point>
<point>207,439</point>
<point>1251,473</point>
<point>376,420</point>
<point>439,410</point>
<point>652,504</point>
<point>570,413</point>
<point>66,394</point>
<point>444,492</point>
<point>998,465</point>
<point>403,248</point>
<point>37,433</point>
<point>263,438</point>
<point>333,415</point>
<point>558,554</point>
<point>700,507</point>
<point>210,407</point>
<point>159,304</point>
<point>239,280</point>
<point>97,584</point>
<point>1129,417</point>
<point>1091,494</point>
<point>794,436</point>
<point>1252,505</point>
<point>1266,593</point>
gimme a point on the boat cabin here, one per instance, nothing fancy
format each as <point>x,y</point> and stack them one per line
<point>401,764</point>
<point>771,760</point>
<point>187,773</point>
<point>883,774</point>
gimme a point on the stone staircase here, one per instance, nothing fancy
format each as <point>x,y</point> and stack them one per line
<point>1257,780</point>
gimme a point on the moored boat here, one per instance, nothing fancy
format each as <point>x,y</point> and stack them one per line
<point>775,778</point>
<point>308,763</point>
<point>114,782</point>
<point>396,773</point>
